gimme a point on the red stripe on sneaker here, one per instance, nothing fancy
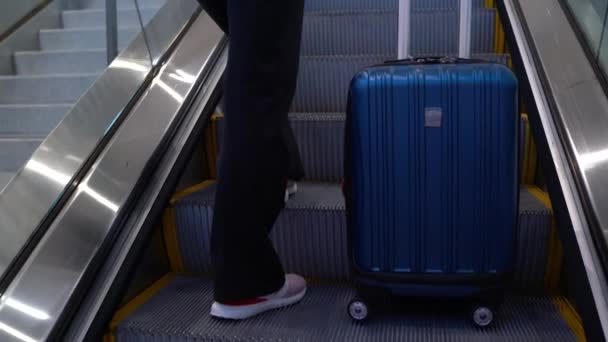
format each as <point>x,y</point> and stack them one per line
<point>245,302</point>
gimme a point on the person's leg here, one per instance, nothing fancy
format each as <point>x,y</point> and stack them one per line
<point>218,10</point>
<point>260,83</point>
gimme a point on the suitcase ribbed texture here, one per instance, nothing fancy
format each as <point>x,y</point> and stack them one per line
<point>179,312</point>
<point>375,32</point>
<point>310,234</point>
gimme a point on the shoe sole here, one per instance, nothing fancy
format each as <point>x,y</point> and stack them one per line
<point>231,313</point>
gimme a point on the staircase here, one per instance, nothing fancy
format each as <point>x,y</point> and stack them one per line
<point>340,38</point>
<point>49,81</point>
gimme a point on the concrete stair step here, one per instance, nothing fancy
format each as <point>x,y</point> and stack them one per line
<point>121,4</point>
<point>15,151</point>
<point>46,89</point>
<point>97,17</point>
<point>5,178</point>
<point>83,38</point>
<point>60,62</point>
<point>31,119</point>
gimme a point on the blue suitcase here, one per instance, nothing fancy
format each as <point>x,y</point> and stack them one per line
<point>431,180</point>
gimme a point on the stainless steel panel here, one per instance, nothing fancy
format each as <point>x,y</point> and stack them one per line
<point>38,187</point>
<point>582,109</point>
<point>39,294</point>
<point>132,229</point>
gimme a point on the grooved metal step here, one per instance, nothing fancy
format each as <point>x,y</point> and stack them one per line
<point>320,139</point>
<point>363,5</point>
<point>375,32</point>
<point>310,234</point>
<point>180,312</point>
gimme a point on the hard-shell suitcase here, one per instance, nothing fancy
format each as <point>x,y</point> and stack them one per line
<point>431,166</point>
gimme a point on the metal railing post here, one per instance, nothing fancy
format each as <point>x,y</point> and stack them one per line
<point>111,30</point>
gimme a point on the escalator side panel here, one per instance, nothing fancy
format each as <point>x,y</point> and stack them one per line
<point>542,71</point>
<point>55,272</point>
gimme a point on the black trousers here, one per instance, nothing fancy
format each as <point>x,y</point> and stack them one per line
<point>259,153</point>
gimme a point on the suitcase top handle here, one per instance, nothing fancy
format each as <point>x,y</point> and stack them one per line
<point>435,60</point>
<point>404,29</point>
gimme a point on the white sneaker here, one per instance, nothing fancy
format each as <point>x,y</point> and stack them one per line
<point>292,292</point>
<point>290,190</point>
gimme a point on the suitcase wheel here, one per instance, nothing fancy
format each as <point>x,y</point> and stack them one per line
<point>358,310</point>
<point>482,315</point>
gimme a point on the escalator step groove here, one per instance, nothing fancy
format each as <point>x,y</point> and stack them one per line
<point>375,32</point>
<point>341,5</point>
<point>179,312</point>
<point>310,234</point>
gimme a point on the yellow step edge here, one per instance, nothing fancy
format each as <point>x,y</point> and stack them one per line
<point>211,147</point>
<point>171,238</point>
<point>530,161</point>
<point>171,241</point>
<point>189,191</point>
<point>499,36</point>
<point>135,303</point>
<point>571,317</point>
<point>555,252</point>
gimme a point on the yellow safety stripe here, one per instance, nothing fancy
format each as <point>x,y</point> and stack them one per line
<point>189,191</point>
<point>134,304</point>
<point>571,317</point>
<point>490,3</point>
<point>170,227</point>
<point>172,241</point>
<point>555,253</point>
<point>211,136</point>
<point>530,160</point>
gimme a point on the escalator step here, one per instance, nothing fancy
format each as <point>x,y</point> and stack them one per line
<point>320,139</point>
<point>180,312</point>
<point>310,234</point>
<point>362,5</point>
<point>375,32</point>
